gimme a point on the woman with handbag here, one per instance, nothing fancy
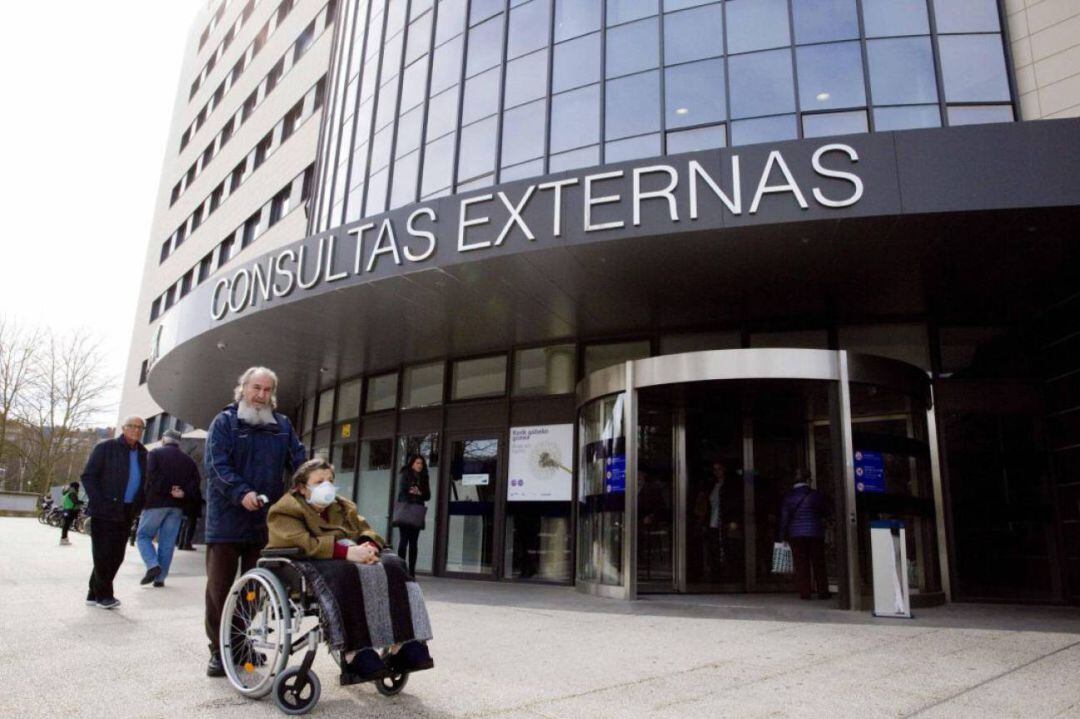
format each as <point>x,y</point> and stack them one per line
<point>414,489</point>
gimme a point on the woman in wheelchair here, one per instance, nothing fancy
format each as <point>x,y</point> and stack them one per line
<point>380,607</point>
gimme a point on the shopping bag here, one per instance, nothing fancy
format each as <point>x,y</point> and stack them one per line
<point>782,562</point>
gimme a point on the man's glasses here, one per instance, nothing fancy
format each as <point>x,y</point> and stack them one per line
<point>135,426</point>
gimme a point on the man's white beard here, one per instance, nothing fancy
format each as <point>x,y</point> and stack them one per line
<point>255,415</point>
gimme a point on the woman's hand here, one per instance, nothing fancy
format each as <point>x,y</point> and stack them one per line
<point>366,553</point>
<point>414,490</point>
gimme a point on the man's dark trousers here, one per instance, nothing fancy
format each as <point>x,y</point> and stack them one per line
<point>108,542</point>
<point>222,561</point>
<point>808,554</point>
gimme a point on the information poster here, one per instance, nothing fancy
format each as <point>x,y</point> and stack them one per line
<point>540,459</point>
<point>869,471</point>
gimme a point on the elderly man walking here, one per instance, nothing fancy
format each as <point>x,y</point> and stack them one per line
<point>249,449</point>
<point>113,479</point>
<point>171,477</point>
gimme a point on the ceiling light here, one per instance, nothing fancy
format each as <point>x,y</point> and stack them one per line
<point>823,96</point>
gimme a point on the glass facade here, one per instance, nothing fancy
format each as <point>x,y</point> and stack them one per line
<point>431,98</point>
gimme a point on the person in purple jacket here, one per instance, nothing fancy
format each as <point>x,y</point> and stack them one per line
<point>802,514</point>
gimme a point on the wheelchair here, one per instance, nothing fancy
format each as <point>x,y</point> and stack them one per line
<point>265,622</point>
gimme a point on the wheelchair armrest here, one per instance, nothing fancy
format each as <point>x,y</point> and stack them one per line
<point>281,553</point>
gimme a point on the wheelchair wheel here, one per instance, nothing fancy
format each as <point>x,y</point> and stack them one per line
<point>255,639</point>
<point>291,696</point>
<point>391,684</point>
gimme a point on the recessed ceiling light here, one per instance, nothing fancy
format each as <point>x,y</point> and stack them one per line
<point>681,111</point>
<point>823,96</point>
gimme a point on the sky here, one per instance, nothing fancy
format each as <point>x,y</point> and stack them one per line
<point>89,94</point>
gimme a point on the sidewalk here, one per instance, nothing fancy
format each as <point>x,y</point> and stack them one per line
<point>505,650</point>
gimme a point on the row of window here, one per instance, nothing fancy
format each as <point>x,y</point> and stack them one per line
<point>291,196</point>
<point>215,20</point>
<point>258,95</point>
<point>704,74</point>
<point>218,53</point>
<point>304,108</point>
<point>248,56</point>
<point>157,425</point>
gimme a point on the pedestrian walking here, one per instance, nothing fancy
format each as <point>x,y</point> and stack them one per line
<point>113,479</point>
<point>70,503</point>
<point>250,451</point>
<point>171,476</point>
<point>802,513</point>
<point>414,489</point>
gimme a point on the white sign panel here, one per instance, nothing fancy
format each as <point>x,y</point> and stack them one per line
<point>540,459</point>
<point>474,480</point>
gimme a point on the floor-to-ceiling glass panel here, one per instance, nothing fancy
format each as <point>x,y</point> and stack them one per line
<point>656,498</point>
<point>601,491</point>
<point>373,483</point>
<point>427,446</point>
<point>474,472</point>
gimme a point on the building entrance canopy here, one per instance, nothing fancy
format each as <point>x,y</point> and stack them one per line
<point>721,236</point>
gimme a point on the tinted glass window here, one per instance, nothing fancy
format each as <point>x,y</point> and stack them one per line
<point>422,386</point>
<point>757,25</point>
<point>695,93</point>
<point>451,20</point>
<point>484,377</point>
<point>575,118</point>
<point>906,118</point>
<point>529,28</point>
<point>765,129</point>
<point>901,71</point>
<point>883,18</point>
<point>632,105</point>
<point>831,76</point>
<point>380,148</point>
<point>520,172</point>
<point>701,138</point>
<point>976,115</point>
<point>446,66</point>
<point>824,20</point>
<point>414,85</point>
<point>670,5</point>
<point>523,133</point>
<point>966,15</point>
<point>376,193</point>
<point>381,393</point>
<point>485,46</point>
<point>973,68</point>
<point>632,148</point>
<point>477,155</point>
<point>481,96</point>
<point>632,48</point>
<point>576,17</point>
<point>442,113</point>
<point>419,38</point>
<point>526,78</point>
<point>693,34</point>
<point>761,84</point>
<point>438,165</point>
<point>577,63</point>
<point>409,126</point>
<point>834,123</point>
<point>483,9</point>
<point>585,157</point>
<point>405,171</point>
<point>620,11</point>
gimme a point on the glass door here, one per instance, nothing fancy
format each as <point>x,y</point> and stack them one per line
<point>656,490</point>
<point>471,496</point>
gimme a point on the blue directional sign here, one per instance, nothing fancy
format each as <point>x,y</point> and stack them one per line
<point>869,471</point>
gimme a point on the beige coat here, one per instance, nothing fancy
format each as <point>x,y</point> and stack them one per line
<point>295,523</point>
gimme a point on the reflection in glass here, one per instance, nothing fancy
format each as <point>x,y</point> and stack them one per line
<point>601,491</point>
<point>477,156</point>
<point>831,76</point>
<point>413,85</point>
<point>632,148</point>
<point>585,157</point>
<point>632,48</point>
<point>373,483</point>
<point>694,34</point>
<point>980,114</point>
<point>906,118</point>
<point>761,83</point>
<point>973,68</point>
<point>438,165</point>
<point>523,134</point>
<point>700,138</point>
<point>576,17</point>
<point>419,39</point>
<point>427,446</point>
<point>526,79</point>
<point>474,473</point>
<point>409,128</point>
<point>901,71</point>
<point>620,11</point>
<point>481,96</point>
<point>442,115</point>
<point>824,20</point>
<point>694,93</point>
<point>575,118</point>
<point>577,63</point>
<point>485,46</point>
<point>757,25</point>
<point>326,406</point>
<point>451,20</point>
<point>834,123</point>
<point>632,105</point>
<point>544,370</point>
<point>345,468</point>
<point>884,18</point>
<point>520,172</point>
<point>376,193</point>
<point>446,66</point>
<point>482,377</point>
<point>763,129</point>
<point>422,385</point>
<point>599,356</point>
<point>381,392</point>
<point>348,405</point>
<point>405,171</point>
<point>966,15</point>
<point>528,28</point>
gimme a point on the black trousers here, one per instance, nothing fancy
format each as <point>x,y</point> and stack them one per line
<point>222,562</point>
<point>69,517</point>
<point>808,555</point>
<point>108,543</point>
<point>409,541</point>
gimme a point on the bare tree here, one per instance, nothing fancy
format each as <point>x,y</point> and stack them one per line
<point>18,347</point>
<point>67,391</point>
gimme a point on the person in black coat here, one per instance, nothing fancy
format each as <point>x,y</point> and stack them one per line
<point>413,488</point>
<point>113,479</point>
<point>171,477</point>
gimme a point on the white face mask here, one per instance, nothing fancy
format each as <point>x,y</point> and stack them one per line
<point>322,494</point>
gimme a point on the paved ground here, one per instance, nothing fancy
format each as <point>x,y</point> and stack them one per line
<point>507,651</point>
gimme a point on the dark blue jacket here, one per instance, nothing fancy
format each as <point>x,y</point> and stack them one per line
<point>105,479</point>
<point>167,466</point>
<point>242,458</point>
<point>801,517</point>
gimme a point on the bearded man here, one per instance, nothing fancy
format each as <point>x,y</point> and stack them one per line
<point>251,450</point>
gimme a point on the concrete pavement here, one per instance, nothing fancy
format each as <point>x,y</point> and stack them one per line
<point>504,650</point>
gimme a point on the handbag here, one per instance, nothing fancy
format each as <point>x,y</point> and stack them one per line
<point>407,514</point>
<point>782,561</point>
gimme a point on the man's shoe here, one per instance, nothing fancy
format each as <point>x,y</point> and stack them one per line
<point>412,657</point>
<point>214,668</point>
<point>366,666</point>
<point>64,541</point>
<point>109,603</point>
<point>151,574</point>
<point>159,584</point>
<point>91,600</point>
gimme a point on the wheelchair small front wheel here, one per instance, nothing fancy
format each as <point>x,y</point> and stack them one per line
<point>293,695</point>
<point>391,684</point>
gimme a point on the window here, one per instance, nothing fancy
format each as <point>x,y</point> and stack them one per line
<point>979,114</point>
<point>422,386</point>
<point>180,235</point>
<point>544,370</point>
<point>831,76</point>
<point>166,249</point>
<point>438,165</point>
<point>274,76</point>
<point>694,93</point>
<point>966,15</point>
<point>901,71</point>
<point>291,120</point>
<point>307,37</point>
<point>477,155</point>
<point>757,25</point>
<point>764,129</point>
<point>237,70</point>
<point>155,309</point>
<point>185,283</point>
<point>620,11</point>
<point>599,356</point>
<point>451,20</point>
<point>632,105</point>
<point>196,218</point>
<point>442,114</point>
<point>227,132</point>
<point>973,68</point>
<point>175,195</point>
<point>215,197</point>
<point>143,370</point>
<point>326,407</point>
<point>484,377</point>
<point>906,118</point>
<point>523,133</point>
<point>381,392</point>
<point>824,20</point>
<point>761,83</point>
<point>584,157</point>
<point>283,11</point>
<point>529,28</point>
<point>632,148</point>
<point>575,118</point>
<point>262,150</point>
<point>413,85</point>
<point>238,175</point>
<point>701,138</point>
<point>481,96</point>
<point>446,66</point>
<point>204,267</point>
<point>208,154</point>
<point>251,229</point>
<point>576,63</point>
<point>632,48</point>
<point>348,400</point>
<point>225,250</point>
<point>694,34</point>
<point>576,17</point>
<point>185,138</point>
<point>884,18</point>
<point>485,46</point>
<point>419,41</point>
<point>834,123</point>
<point>526,79</point>
<point>249,106</point>
<point>279,205</point>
